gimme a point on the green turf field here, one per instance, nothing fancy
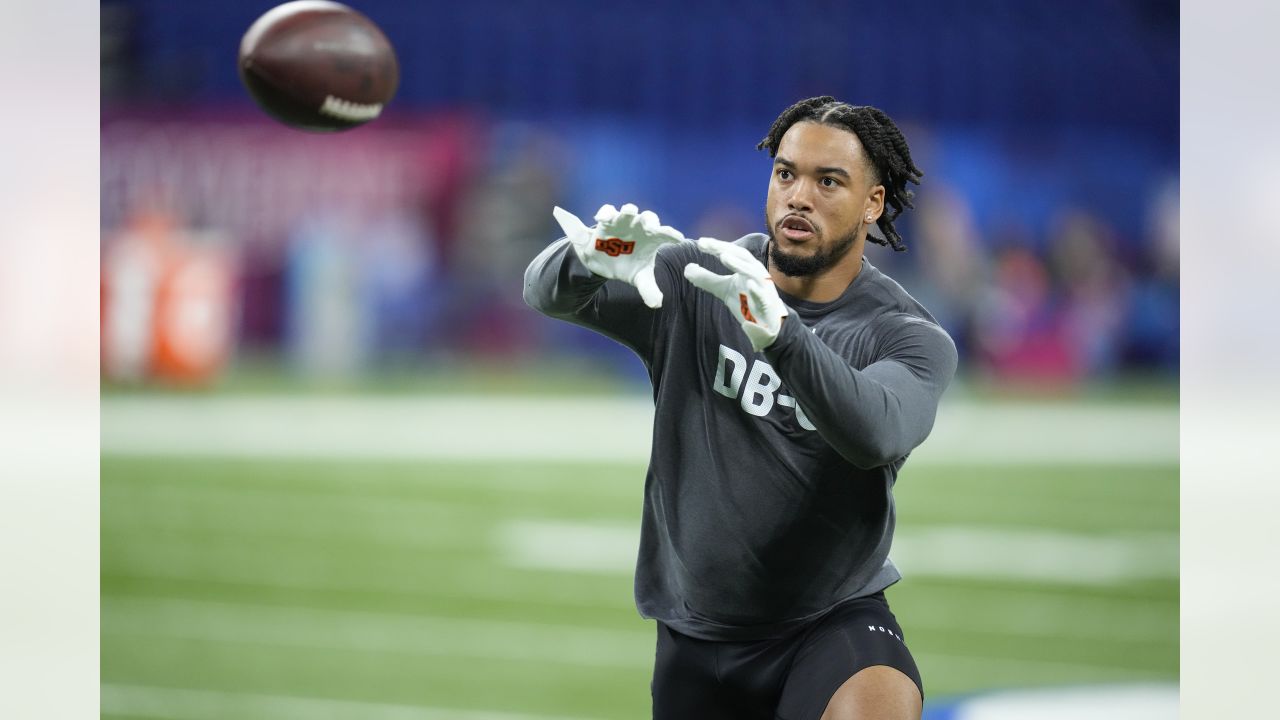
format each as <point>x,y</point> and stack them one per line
<point>422,589</point>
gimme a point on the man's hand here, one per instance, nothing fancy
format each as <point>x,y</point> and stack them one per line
<point>749,291</point>
<point>621,246</point>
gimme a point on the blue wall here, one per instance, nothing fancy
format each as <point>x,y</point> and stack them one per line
<point>999,64</point>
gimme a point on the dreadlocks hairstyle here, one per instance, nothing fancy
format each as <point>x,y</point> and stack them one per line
<point>881,139</point>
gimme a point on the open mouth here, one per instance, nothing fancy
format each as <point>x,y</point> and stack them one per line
<point>795,227</point>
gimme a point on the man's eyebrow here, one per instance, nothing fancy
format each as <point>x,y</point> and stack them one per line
<point>821,171</point>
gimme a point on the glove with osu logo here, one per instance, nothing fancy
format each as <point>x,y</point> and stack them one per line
<point>621,246</point>
<point>749,291</point>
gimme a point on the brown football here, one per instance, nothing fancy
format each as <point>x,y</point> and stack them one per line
<point>318,65</point>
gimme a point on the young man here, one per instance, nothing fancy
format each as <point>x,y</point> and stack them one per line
<point>791,380</point>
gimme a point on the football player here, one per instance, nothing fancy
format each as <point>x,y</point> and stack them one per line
<point>791,381</point>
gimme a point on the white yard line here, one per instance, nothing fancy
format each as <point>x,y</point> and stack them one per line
<point>969,552</point>
<point>996,671</point>
<point>265,571</point>
<point>1036,555</point>
<point>604,429</point>
<point>431,636</point>
<point>147,701</point>
<point>450,428</point>
<point>421,635</point>
<point>1147,701</point>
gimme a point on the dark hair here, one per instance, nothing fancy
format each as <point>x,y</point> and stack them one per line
<point>882,140</point>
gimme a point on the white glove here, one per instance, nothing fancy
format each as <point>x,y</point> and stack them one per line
<point>749,291</point>
<point>621,246</point>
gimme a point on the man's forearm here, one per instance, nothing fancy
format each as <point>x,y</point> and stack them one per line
<point>557,284</point>
<point>873,416</point>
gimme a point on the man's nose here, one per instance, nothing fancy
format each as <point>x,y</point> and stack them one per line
<point>799,201</point>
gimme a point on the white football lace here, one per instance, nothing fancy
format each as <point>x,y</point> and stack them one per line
<point>347,110</point>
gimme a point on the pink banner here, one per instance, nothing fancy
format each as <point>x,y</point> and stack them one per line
<point>253,178</point>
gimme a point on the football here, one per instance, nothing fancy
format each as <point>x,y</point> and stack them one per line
<point>318,65</point>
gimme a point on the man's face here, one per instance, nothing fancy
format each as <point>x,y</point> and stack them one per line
<point>820,194</point>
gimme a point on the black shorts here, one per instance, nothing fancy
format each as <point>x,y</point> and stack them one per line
<point>791,678</point>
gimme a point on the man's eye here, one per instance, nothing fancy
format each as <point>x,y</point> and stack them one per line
<point>829,182</point>
<point>784,174</point>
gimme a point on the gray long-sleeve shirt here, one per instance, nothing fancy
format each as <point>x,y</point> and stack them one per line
<point>768,499</point>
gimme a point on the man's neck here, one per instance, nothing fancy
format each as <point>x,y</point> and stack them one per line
<point>824,286</point>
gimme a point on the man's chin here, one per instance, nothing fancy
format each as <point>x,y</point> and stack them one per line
<point>794,259</point>
<point>806,258</point>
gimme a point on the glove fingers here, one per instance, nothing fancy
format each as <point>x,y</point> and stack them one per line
<point>714,283</point>
<point>647,284</point>
<point>625,220</point>
<point>734,257</point>
<point>606,213</point>
<point>748,266</point>
<point>671,234</point>
<point>711,246</point>
<point>569,222</point>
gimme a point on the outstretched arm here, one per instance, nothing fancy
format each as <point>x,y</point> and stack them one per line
<point>603,277</point>
<point>876,415</point>
<point>872,416</point>
<point>557,284</point>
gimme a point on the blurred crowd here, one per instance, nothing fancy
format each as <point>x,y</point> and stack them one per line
<point>1076,303</point>
<point>401,246</point>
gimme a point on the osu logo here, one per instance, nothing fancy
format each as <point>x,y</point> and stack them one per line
<point>613,247</point>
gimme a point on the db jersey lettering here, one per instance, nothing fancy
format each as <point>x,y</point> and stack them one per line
<point>756,390</point>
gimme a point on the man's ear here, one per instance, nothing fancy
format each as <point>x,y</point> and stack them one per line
<point>875,203</point>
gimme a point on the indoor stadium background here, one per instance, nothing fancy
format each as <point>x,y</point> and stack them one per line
<point>347,473</point>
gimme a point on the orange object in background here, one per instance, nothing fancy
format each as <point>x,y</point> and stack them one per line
<point>191,328</point>
<point>167,304</point>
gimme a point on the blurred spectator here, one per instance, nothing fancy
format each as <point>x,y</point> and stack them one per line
<point>1019,333</point>
<point>1091,287</point>
<point>949,267</point>
<point>504,220</point>
<point>362,289</point>
<point>166,302</point>
<point>402,282</point>
<point>1151,332</point>
<point>328,331</point>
